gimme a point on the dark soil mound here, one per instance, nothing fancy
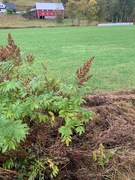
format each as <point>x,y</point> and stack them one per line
<point>113,126</point>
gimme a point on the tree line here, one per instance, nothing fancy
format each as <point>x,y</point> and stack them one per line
<point>101,10</point>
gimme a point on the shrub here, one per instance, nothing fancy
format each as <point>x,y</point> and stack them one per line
<point>31,96</point>
<point>59,17</point>
<point>9,11</point>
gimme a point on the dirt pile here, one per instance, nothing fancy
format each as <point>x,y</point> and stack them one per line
<point>113,126</point>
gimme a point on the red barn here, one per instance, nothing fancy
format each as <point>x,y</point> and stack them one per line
<point>49,10</point>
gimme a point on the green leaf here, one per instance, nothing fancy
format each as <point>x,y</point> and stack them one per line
<point>67,140</point>
<point>80,130</point>
<point>42,117</point>
<point>11,132</point>
<point>65,131</point>
<point>5,147</point>
<point>101,162</point>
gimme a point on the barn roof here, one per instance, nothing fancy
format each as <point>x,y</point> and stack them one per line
<point>10,5</point>
<point>49,6</point>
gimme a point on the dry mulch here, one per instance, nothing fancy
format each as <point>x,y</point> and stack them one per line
<point>113,125</point>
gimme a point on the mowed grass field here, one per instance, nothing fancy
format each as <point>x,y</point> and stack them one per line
<point>64,49</point>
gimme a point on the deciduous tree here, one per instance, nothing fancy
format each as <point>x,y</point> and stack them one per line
<point>102,13</point>
<point>72,9</point>
<point>91,9</point>
<point>120,10</point>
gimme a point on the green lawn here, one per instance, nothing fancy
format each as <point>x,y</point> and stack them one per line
<point>63,50</point>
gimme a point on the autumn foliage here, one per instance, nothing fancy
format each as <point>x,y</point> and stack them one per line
<point>81,73</point>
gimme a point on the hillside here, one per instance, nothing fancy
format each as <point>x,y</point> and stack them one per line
<point>23,5</point>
